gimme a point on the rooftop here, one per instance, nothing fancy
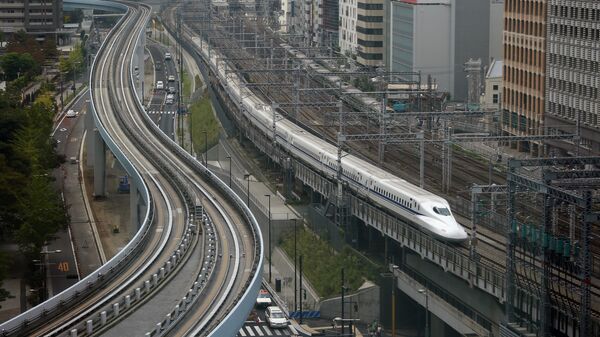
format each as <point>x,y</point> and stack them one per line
<point>495,69</point>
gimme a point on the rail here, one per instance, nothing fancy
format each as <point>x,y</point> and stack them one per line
<point>229,325</point>
<point>69,297</point>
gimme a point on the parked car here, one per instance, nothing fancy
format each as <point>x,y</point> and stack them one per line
<point>160,85</point>
<point>264,299</point>
<point>275,317</point>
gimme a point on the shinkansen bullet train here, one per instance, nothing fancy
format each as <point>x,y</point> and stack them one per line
<point>424,209</point>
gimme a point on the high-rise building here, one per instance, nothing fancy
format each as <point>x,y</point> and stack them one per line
<point>496,29</point>
<point>524,71</point>
<point>369,33</point>
<point>573,74</point>
<point>329,15</point>
<point>39,17</point>
<point>419,38</point>
<point>347,32</point>
<point>437,37</point>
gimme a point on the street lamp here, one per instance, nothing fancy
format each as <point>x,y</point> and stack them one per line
<point>270,251</point>
<point>74,72</point>
<point>426,292</point>
<point>229,157</point>
<point>247,177</point>
<point>42,263</point>
<point>205,147</point>
<point>295,274</point>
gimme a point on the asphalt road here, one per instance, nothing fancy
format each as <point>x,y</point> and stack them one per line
<point>61,268</point>
<point>164,115</point>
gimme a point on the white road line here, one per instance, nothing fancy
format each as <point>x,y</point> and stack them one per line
<point>293,330</point>
<point>277,332</point>
<point>242,333</point>
<point>258,330</point>
<point>268,330</point>
<point>249,329</point>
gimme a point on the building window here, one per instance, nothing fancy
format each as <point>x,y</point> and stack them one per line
<point>495,99</point>
<point>367,18</point>
<point>495,87</point>
<point>370,6</point>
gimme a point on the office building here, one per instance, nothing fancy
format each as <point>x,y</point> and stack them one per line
<point>524,71</point>
<point>573,74</point>
<point>437,38</point>
<point>40,17</point>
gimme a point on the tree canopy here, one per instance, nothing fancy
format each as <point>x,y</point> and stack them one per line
<point>31,209</point>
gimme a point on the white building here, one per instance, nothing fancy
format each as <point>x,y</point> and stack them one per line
<point>493,87</point>
<point>347,32</point>
<point>437,37</point>
<point>419,38</point>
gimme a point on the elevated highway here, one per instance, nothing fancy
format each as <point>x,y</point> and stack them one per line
<point>182,210</point>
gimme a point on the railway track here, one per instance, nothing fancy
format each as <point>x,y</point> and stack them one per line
<point>466,169</point>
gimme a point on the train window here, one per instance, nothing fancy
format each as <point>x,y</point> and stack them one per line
<point>442,211</point>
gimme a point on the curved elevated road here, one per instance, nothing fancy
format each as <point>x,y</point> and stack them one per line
<point>192,217</point>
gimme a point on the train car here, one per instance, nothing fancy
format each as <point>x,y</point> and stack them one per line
<point>424,209</point>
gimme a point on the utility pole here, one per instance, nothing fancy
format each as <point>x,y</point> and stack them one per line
<point>343,289</point>
<point>301,313</point>
<point>295,273</point>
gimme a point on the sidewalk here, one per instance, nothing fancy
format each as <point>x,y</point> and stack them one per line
<point>283,265</point>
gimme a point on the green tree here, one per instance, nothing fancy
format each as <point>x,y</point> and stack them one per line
<point>74,62</point>
<point>16,65</point>
<point>43,214</point>
<point>24,43</point>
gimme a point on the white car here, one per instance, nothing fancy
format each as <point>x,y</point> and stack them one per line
<point>171,78</point>
<point>264,299</point>
<point>160,85</point>
<point>275,317</point>
<point>170,99</point>
<point>71,114</point>
<point>167,56</point>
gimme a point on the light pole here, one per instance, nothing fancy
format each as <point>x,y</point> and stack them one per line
<point>205,147</point>
<point>74,72</point>
<point>247,177</point>
<point>270,251</point>
<point>229,157</point>
<point>295,274</point>
<point>426,292</point>
<point>43,293</point>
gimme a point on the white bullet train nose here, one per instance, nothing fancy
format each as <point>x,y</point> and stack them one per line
<point>457,234</point>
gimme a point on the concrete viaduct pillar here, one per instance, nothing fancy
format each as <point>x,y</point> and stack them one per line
<point>99,165</point>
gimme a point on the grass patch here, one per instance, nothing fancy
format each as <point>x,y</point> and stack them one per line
<point>322,265</point>
<point>187,85</point>
<point>203,119</point>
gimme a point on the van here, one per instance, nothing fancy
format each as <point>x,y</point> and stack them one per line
<point>160,85</point>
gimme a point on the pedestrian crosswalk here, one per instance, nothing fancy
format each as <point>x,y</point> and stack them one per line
<point>158,112</point>
<point>264,330</point>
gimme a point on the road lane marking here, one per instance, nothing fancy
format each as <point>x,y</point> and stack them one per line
<point>242,333</point>
<point>258,330</point>
<point>249,330</point>
<point>268,330</point>
<point>293,330</point>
